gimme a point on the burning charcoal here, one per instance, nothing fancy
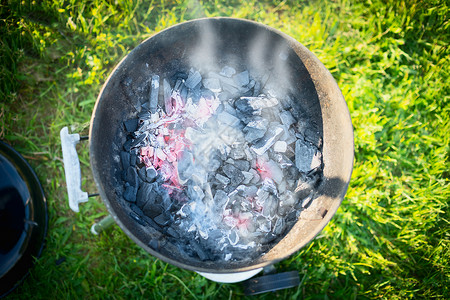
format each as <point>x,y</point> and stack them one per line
<point>242,78</point>
<point>247,177</point>
<point>145,115</point>
<point>167,90</point>
<point>138,140</point>
<point>280,146</point>
<point>130,194</point>
<point>154,91</point>
<point>227,71</point>
<point>279,226</point>
<point>257,103</point>
<point>212,84</point>
<point>185,165</point>
<point>233,237</point>
<point>228,119</point>
<point>287,118</point>
<point>263,144</point>
<point>213,165</point>
<point>304,155</point>
<point>242,165</point>
<point>233,173</point>
<point>245,108</point>
<point>125,159</point>
<point>270,207</point>
<point>237,153</point>
<point>222,179</point>
<point>150,174</point>
<point>220,198</point>
<point>131,125</point>
<point>263,224</point>
<point>195,192</point>
<point>275,171</point>
<point>253,134</point>
<point>193,80</point>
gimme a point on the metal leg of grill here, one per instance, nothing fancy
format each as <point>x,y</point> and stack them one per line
<point>102,225</point>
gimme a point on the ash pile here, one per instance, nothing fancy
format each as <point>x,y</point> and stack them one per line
<point>218,163</point>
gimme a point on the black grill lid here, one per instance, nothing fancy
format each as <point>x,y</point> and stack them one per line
<point>23,218</point>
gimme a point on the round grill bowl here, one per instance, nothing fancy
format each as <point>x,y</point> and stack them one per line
<point>217,42</point>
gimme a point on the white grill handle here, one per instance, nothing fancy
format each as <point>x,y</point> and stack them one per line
<point>72,168</point>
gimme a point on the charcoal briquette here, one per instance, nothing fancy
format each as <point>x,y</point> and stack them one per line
<point>150,174</point>
<point>130,194</point>
<point>242,165</point>
<point>125,159</point>
<point>136,218</point>
<point>162,219</point>
<point>131,125</point>
<point>132,176</point>
<point>139,139</point>
<point>144,194</point>
<point>173,233</point>
<point>152,208</point>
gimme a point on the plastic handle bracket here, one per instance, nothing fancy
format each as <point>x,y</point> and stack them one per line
<point>72,169</point>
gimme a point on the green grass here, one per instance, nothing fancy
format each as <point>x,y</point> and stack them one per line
<point>391,236</point>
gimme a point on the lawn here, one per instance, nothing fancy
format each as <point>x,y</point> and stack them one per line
<point>390,238</point>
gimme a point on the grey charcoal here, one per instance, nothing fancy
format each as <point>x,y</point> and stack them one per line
<point>287,118</point>
<point>125,159</point>
<point>262,145</point>
<point>222,179</point>
<point>130,194</point>
<point>242,78</point>
<point>253,134</point>
<point>257,103</point>
<point>304,154</point>
<point>162,219</point>
<point>242,165</point>
<point>193,80</point>
<point>227,71</point>
<point>167,90</point>
<point>212,84</point>
<point>154,92</point>
<point>233,173</point>
<point>144,194</point>
<point>280,146</point>
<point>131,125</point>
<point>237,153</point>
<point>150,173</point>
<point>220,198</point>
<point>228,119</point>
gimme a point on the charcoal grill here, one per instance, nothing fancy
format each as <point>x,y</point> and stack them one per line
<point>218,41</point>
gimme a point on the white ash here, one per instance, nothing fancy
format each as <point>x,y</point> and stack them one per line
<point>219,165</point>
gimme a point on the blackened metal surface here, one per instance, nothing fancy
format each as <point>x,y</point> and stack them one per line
<point>254,47</point>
